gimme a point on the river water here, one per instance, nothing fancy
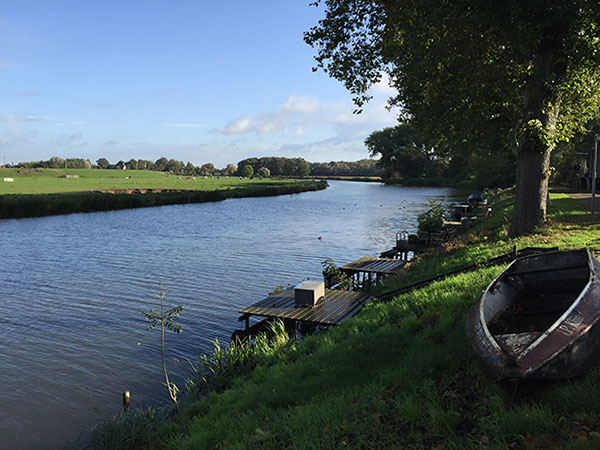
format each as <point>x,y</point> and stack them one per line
<point>73,288</point>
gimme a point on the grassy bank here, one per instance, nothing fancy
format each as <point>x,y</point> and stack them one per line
<point>49,191</point>
<point>400,375</point>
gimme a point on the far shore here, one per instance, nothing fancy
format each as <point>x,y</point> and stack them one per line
<point>51,192</point>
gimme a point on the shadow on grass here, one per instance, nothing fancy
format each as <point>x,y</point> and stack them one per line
<point>567,210</point>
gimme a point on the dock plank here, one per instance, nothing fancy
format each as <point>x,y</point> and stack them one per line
<point>369,264</point>
<point>336,306</point>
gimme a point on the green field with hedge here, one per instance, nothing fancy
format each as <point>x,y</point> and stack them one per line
<point>41,192</point>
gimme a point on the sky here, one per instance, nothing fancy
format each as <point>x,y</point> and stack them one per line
<point>196,81</point>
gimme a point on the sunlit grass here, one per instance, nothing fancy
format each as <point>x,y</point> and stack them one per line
<point>51,181</point>
<point>42,192</point>
<point>402,374</point>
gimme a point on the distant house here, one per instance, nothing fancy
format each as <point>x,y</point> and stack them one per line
<point>118,166</point>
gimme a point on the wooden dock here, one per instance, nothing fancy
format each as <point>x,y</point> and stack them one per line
<point>412,244</point>
<point>371,270</point>
<point>333,309</point>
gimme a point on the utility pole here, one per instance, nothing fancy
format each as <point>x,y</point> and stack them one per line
<point>594,172</point>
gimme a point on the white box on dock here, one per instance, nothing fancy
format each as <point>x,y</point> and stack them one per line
<point>308,293</point>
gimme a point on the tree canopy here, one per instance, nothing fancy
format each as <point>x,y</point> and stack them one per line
<point>278,166</point>
<point>402,154</point>
<point>496,77</point>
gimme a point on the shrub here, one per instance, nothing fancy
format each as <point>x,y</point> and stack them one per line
<point>432,220</point>
<point>332,272</point>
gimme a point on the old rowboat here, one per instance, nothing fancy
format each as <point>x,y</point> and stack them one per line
<point>540,318</point>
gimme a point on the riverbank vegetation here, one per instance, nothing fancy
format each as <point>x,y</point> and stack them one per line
<point>399,375</point>
<point>41,192</point>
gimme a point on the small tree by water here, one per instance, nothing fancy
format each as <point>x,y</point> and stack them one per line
<point>433,220</point>
<point>166,319</point>
<point>335,276</point>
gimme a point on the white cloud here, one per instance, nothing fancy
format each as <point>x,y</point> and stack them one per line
<point>266,127</point>
<point>375,114</point>
<point>301,104</point>
<point>383,87</point>
<point>238,126</point>
<point>300,114</point>
<point>297,108</point>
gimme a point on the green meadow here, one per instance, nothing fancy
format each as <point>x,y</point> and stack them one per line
<point>399,375</point>
<point>52,181</point>
<point>41,192</point>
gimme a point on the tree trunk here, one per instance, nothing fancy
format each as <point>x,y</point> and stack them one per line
<point>531,191</point>
<point>537,130</point>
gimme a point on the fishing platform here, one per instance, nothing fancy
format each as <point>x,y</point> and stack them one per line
<point>334,307</point>
<point>368,270</point>
<point>408,245</point>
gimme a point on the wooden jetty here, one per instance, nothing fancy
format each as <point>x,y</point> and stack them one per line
<point>333,309</point>
<point>371,270</point>
<point>407,244</point>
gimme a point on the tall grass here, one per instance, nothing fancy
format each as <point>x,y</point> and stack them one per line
<point>144,428</point>
<point>152,428</point>
<point>218,370</point>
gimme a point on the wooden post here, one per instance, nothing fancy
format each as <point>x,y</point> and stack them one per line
<point>126,400</point>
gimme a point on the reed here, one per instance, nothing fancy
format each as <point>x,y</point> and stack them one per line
<point>218,370</point>
<point>143,428</point>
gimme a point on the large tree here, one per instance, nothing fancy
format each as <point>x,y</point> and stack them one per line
<point>475,73</point>
<point>402,155</point>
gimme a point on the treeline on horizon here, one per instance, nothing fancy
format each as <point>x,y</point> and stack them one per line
<point>404,155</point>
<point>265,167</point>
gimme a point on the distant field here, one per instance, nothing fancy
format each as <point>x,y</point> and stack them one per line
<point>53,181</point>
<point>44,192</point>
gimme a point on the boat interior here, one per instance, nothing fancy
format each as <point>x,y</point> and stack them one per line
<point>532,295</point>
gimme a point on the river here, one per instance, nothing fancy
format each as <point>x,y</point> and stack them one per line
<point>74,286</point>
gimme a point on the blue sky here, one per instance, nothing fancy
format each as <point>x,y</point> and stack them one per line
<point>191,80</point>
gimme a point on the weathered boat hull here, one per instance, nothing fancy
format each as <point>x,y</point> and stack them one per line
<point>540,318</point>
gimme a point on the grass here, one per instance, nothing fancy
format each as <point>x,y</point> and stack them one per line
<point>52,181</point>
<point>402,374</point>
<point>40,192</point>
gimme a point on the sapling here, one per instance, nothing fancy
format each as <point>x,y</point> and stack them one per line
<point>166,319</point>
<point>333,272</point>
